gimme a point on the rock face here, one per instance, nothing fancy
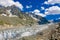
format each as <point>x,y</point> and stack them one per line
<point>17,33</point>
<point>10,10</point>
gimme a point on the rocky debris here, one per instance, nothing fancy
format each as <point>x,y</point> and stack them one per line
<point>56,34</point>
<point>17,33</point>
<point>53,34</point>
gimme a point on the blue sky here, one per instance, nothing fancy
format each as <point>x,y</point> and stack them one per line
<point>37,4</point>
<point>50,8</point>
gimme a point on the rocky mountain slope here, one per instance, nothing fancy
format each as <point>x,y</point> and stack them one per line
<point>15,16</point>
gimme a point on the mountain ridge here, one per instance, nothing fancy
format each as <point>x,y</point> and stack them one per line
<point>13,11</point>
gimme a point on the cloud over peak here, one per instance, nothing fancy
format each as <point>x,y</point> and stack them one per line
<point>37,12</point>
<point>10,3</point>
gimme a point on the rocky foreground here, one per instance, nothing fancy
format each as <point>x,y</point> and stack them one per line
<point>53,34</point>
<point>21,32</point>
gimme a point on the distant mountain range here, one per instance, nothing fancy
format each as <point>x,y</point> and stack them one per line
<point>40,19</point>
<point>13,11</point>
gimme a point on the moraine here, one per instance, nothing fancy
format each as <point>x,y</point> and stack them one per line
<point>15,33</point>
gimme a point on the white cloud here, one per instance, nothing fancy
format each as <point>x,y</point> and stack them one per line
<point>19,5</point>
<point>28,6</point>
<point>52,1</point>
<point>37,12</point>
<point>53,10</point>
<point>45,2</point>
<point>10,2</point>
<point>42,8</point>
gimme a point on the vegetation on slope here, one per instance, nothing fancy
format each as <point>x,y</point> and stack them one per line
<point>15,21</point>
